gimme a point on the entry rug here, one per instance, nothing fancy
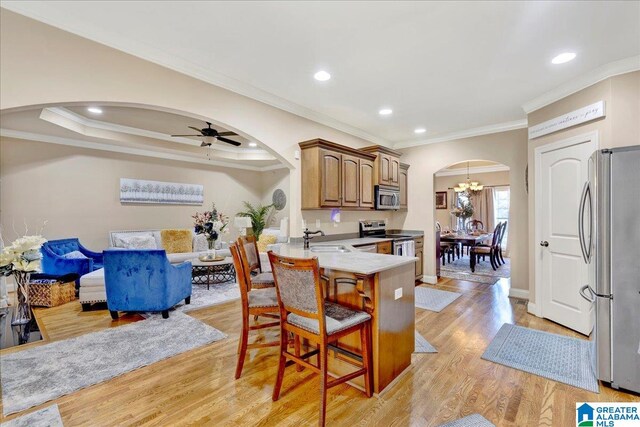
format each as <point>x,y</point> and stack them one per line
<point>434,299</point>
<point>473,420</point>
<point>556,357</point>
<point>47,417</point>
<point>422,345</point>
<point>37,375</point>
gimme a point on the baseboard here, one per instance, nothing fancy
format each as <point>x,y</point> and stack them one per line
<point>432,280</point>
<point>532,308</point>
<point>518,293</point>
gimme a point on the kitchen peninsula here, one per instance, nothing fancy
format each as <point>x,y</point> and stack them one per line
<point>383,286</point>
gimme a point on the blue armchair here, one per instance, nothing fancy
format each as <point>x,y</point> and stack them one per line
<point>54,261</point>
<point>144,280</point>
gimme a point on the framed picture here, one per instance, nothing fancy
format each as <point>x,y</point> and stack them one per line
<point>441,200</point>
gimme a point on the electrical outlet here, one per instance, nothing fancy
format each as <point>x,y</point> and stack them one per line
<point>398,293</point>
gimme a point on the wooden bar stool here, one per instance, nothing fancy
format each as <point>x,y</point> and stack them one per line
<point>249,251</point>
<point>305,313</point>
<point>255,302</point>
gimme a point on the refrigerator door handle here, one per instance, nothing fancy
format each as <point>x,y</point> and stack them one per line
<point>591,297</point>
<point>581,206</point>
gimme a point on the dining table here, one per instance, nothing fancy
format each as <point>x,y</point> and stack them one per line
<point>469,239</point>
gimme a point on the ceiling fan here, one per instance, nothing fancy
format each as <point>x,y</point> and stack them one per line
<point>209,133</point>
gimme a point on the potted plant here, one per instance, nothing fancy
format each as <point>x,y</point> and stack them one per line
<point>258,214</point>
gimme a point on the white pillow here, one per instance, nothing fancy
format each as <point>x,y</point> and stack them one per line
<point>139,242</point>
<point>120,239</point>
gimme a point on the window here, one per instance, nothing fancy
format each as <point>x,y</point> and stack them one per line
<point>501,209</point>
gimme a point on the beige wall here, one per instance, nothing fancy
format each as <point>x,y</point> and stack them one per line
<point>507,148</point>
<point>271,181</point>
<point>63,68</point>
<point>620,127</point>
<point>442,183</point>
<point>77,191</point>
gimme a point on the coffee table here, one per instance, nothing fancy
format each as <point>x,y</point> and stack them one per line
<point>212,273</point>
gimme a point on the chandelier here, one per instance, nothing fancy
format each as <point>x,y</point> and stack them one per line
<point>469,187</point>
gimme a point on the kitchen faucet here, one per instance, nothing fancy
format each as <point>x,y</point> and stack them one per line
<point>306,237</point>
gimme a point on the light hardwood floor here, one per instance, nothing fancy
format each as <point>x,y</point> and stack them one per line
<point>197,387</point>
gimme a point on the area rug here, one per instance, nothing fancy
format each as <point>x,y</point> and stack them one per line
<point>473,420</point>
<point>202,297</point>
<point>37,375</point>
<point>422,345</point>
<point>556,357</point>
<point>434,299</point>
<point>47,417</point>
<point>459,269</point>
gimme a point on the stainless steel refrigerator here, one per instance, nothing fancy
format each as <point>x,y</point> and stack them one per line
<point>609,229</point>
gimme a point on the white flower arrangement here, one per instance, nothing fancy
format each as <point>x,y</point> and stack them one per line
<point>23,255</point>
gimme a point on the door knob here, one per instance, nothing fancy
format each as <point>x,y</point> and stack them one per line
<point>544,243</point>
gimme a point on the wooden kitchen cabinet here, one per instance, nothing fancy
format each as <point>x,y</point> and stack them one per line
<point>386,165</point>
<point>419,242</point>
<point>404,179</point>
<point>335,176</point>
<point>385,248</point>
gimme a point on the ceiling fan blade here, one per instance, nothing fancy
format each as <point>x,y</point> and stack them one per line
<point>199,136</point>
<point>195,128</point>
<point>228,141</point>
<point>227,134</point>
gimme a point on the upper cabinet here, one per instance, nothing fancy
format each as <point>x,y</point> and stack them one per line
<point>386,165</point>
<point>335,176</point>
<point>404,178</point>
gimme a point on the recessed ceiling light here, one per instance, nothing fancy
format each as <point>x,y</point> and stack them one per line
<point>563,57</point>
<point>253,144</point>
<point>322,76</point>
<point>385,112</point>
<point>94,110</point>
<point>419,130</point>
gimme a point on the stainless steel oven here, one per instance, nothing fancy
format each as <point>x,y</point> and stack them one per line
<point>387,199</point>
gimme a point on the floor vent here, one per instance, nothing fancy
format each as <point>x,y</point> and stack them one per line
<point>520,301</point>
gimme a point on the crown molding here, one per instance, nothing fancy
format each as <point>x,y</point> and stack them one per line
<point>611,69</point>
<point>183,66</point>
<point>85,122</point>
<point>10,133</point>
<point>474,170</point>
<point>482,130</point>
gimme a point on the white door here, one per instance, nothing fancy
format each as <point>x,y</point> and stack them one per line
<point>563,173</point>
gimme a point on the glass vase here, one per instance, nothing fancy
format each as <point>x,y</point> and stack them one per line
<point>22,313</point>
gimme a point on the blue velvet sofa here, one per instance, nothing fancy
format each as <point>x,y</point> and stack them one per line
<point>56,260</point>
<point>144,280</point>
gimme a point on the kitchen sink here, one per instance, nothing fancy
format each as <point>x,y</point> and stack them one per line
<point>329,248</point>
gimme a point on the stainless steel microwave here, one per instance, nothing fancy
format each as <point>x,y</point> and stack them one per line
<point>387,199</point>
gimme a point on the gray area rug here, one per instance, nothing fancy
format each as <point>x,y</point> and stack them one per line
<point>47,417</point>
<point>556,357</point>
<point>37,375</point>
<point>422,345</point>
<point>434,299</point>
<point>473,420</point>
<point>459,269</point>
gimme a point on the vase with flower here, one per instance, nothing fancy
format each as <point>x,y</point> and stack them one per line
<point>463,212</point>
<point>19,260</point>
<point>211,224</point>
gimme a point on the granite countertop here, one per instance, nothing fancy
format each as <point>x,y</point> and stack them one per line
<point>353,261</point>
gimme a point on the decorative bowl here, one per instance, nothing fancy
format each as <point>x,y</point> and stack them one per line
<point>210,258</point>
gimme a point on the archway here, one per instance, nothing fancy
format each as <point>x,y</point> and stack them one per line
<point>471,217</point>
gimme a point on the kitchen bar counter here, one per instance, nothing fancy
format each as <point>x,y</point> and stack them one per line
<point>353,261</point>
<point>383,286</point>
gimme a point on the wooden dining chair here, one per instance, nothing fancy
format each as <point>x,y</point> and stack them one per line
<point>249,252</point>
<point>305,313</point>
<point>482,250</point>
<point>502,233</point>
<point>255,303</point>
